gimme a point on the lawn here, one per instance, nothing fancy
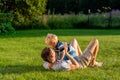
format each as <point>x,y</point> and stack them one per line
<point>20,55</point>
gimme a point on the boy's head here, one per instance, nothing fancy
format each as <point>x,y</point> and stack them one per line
<point>51,40</point>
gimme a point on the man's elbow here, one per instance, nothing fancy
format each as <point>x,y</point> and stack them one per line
<point>76,66</point>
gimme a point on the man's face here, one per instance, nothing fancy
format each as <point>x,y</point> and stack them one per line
<point>52,57</point>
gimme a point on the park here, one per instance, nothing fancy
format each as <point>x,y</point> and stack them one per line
<point>22,38</point>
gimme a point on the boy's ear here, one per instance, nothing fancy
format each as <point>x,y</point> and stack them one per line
<point>54,43</point>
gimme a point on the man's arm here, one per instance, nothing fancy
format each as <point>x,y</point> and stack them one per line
<point>62,56</point>
<point>74,64</point>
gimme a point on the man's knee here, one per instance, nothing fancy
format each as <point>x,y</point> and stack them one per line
<point>73,39</point>
<point>96,41</point>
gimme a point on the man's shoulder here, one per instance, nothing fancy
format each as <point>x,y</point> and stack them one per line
<point>46,65</point>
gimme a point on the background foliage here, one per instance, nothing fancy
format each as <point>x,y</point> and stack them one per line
<point>47,14</point>
<point>24,11</point>
<point>5,23</point>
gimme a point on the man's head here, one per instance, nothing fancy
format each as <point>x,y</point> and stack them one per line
<point>51,40</point>
<point>48,55</point>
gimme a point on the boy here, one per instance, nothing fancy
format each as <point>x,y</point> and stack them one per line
<point>52,41</point>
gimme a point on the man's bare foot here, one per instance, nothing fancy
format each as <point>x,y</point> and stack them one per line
<point>99,64</point>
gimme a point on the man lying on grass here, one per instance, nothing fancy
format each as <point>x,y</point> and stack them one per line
<point>88,58</point>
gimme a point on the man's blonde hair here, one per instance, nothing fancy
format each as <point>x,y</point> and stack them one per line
<point>50,38</point>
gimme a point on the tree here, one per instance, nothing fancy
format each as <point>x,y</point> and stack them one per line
<point>24,11</point>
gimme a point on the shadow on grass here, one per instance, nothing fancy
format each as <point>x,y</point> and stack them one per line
<point>69,32</point>
<point>19,69</point>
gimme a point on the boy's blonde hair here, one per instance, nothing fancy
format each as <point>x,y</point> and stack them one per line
<point>51,38</point>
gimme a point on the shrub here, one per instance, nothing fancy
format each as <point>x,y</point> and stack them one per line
<point>5,23</point>
<point>92,21</point>
<point>27,12</point>
<point>6,27</point>
<point>59,22</point>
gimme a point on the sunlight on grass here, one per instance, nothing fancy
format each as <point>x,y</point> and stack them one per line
<point>20,55</point>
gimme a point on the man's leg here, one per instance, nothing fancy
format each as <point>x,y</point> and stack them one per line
<point>94,47</point>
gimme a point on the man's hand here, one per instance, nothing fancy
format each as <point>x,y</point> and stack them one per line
<point>65,47</point>
<point>57,51</point>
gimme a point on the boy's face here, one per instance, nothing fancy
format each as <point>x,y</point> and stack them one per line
<point>52,44</point>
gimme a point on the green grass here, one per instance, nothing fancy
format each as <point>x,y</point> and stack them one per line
<point>20,55</point>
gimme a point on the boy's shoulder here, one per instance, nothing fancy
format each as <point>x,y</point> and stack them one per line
<point>59,46</point>
<point>60,43</point>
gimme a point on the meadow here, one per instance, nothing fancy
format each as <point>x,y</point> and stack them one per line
<point>20,55</point>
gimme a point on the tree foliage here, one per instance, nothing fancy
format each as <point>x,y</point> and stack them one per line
<point>27,14</point>
<point>24,11</point>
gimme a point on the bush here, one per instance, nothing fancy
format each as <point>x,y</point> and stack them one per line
<point>6,27</point>
<point>27,12</point>
<point>81,21</point>
<point>5,23</point>
<point>59,22</point>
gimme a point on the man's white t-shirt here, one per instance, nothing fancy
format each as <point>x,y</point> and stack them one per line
<point>63,65</point>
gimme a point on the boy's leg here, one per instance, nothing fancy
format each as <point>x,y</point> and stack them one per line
<point>79,50</point>
<point>75,45</point>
